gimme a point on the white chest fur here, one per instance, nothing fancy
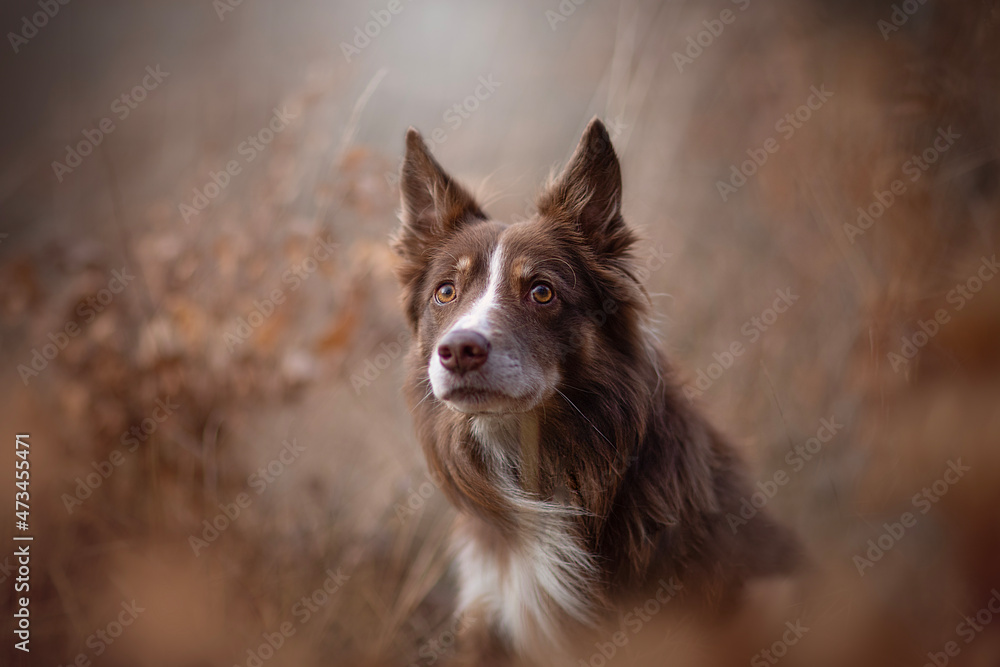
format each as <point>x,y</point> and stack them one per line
<point>539,577</point>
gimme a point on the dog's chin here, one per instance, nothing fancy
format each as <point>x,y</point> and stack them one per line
<point>473,401</point>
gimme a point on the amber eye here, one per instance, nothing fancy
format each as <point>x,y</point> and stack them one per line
<point>542,293</point>
<point>446,293</point>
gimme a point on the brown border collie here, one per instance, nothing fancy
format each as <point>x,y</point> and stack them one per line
<point>581,474</point>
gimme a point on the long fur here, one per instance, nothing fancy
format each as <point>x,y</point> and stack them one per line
<point>621,482</point>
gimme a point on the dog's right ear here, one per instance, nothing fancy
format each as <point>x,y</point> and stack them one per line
<point>433,207</point>
<point>433,204</point>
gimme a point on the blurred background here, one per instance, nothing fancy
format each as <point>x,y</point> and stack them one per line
<point>199,325</point>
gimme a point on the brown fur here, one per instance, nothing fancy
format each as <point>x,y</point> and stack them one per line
<point>651,482</point>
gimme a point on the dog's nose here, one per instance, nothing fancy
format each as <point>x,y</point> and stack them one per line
<point>463,351</point>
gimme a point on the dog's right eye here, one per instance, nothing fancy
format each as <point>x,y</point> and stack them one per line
<point>446,293</point>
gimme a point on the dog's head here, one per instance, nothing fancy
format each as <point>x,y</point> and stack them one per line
<point>505,312</point>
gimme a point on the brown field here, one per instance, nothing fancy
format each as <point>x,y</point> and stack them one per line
<point>294,242</point>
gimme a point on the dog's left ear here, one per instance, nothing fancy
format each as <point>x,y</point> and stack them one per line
<point>588,193</point>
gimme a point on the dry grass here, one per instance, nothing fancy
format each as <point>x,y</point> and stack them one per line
<point>341,505</point>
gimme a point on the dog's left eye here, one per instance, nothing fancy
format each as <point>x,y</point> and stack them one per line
<point>446,293</point>
<point>542,293</point>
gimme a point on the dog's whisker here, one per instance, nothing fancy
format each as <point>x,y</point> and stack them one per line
<point>586,391</point>
<point>426,396</point>
<point>569,266</point>
<point>594,426</point>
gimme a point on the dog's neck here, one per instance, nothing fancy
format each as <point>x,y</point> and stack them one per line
<point>511,441</point>
<point>540,572</point>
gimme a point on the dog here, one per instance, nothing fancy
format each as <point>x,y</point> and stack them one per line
<point>581,474</point>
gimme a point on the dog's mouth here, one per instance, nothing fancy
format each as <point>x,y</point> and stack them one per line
<point>476,400</point>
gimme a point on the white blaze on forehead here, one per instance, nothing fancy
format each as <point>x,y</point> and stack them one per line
<point>478,316</point>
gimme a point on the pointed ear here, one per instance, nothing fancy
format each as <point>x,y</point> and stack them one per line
<point>433,207</point>
<point>588,193</point>
<point>433,204</point>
